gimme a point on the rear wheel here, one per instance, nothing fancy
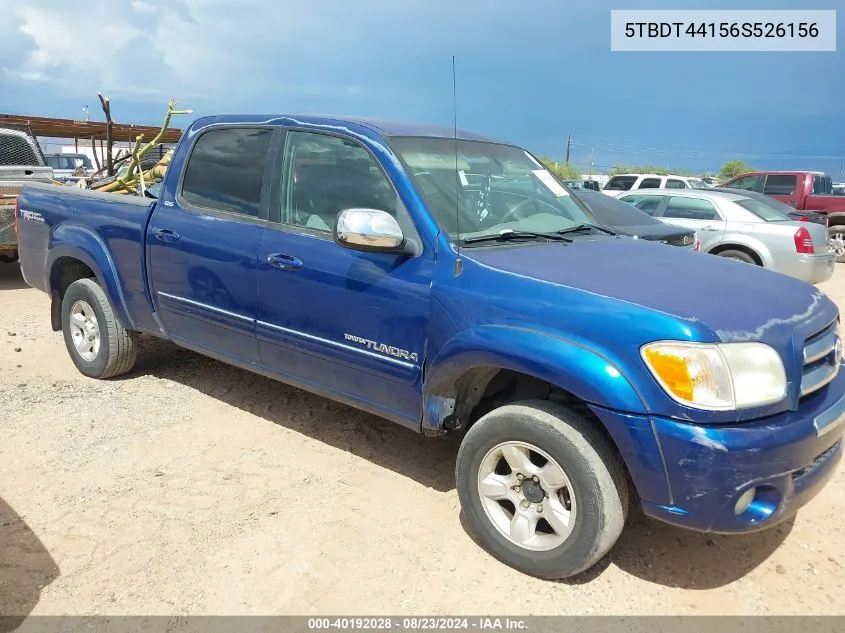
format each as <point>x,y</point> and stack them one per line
<point>741,256</point>
<point>98,344</point>
<point>837,242</point>
<point>542,488</point>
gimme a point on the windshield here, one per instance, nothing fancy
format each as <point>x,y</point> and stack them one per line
<point>697,183</point>
<point>763,211</point>
<point>69,162</point>
<point>495,188</point>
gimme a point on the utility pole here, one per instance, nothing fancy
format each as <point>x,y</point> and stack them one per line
<point>568,144</point>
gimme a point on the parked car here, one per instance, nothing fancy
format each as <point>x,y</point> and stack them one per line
<point>626,219</point>
<point>70,166</point>
<point>344,256</point>
<point>630,182</point>
<point>804,191</point>
<point>739,227</point>
<point>777,205</point>
<point>21,162</point>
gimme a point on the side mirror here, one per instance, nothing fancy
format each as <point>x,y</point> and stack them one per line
<point>369,230</point>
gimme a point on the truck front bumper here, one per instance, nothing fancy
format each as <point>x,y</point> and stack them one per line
<point>739,478</point>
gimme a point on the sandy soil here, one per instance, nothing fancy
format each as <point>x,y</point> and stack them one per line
<point>190,487</point>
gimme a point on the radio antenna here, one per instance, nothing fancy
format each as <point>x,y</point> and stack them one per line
<point>458,263</point>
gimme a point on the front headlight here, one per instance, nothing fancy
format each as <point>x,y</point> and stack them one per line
<point>717,376</point>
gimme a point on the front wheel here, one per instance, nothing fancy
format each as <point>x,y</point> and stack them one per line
<point>542,488</point>
<point>97,342</point>
<point>837,242</point>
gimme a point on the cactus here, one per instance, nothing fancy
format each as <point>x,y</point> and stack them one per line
<point>128,183</point>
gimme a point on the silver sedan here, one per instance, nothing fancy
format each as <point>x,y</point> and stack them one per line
<point>742,228</point>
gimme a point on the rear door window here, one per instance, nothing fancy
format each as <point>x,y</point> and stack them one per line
<point>684,208</point>
<point>650,183</point>
<point>225,170</point>
<point>780,184</point>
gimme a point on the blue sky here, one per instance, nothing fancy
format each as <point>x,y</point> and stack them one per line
<point>530,72</point>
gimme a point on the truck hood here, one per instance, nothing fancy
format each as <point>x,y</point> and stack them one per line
<point>734,300</point>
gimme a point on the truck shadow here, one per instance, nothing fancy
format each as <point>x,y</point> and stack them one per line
<point>648,549</point>
<point>682,559</point>
<point>10,277</point>
<point>674,557</point>
<point>430,462</point>
<point>26,567</point>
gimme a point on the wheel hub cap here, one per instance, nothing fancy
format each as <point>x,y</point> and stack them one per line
<point>85,330</point>
<point>526,496</point>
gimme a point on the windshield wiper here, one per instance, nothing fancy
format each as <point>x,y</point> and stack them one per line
<point>586,227</point>
<point>510,234</point>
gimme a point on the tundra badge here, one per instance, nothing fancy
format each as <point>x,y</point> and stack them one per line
<point>383,348</point>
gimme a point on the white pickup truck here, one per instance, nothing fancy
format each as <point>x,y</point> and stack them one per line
<point>21,162</point>
<point>620,183</point>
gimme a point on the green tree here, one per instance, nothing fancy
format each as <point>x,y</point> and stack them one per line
<point>733,168</point>
<point>564,171</point>
<point>646,169</point>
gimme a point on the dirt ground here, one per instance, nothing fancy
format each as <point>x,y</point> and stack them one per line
<point>190,487</point>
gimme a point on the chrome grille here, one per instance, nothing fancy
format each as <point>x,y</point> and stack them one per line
<point>822,354</point>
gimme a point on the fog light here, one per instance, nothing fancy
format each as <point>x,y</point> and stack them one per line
<point>744,501</point>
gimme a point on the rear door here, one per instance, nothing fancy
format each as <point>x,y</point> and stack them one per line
<point>203,245</point>
<point>698,214</point>
<point>345,323</point>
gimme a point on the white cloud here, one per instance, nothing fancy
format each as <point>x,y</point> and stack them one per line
<point>144,8</point>
<point>233,53</point>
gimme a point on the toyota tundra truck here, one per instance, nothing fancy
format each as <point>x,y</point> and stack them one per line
<point>450,283</point>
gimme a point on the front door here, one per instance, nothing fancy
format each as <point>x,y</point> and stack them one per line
<point>697,214</point>
<point>346,323</point>
<point>203,245</point>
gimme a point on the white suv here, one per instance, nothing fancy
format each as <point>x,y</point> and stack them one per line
<point>621,183</point>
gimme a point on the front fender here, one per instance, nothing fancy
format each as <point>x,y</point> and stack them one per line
<point>570,365</point>
<point>79,243</point>
<point>748,241</point>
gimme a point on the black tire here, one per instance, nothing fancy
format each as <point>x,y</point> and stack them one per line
<point>118,346</point>
<point>837,237</point>
<point>738,255</point>
<point>591,463</point>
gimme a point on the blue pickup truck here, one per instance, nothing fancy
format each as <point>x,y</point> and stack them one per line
<point>450,283</point>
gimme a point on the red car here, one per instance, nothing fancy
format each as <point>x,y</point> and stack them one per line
<point>802,190</point>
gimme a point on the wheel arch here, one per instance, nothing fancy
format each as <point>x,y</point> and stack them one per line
<point>494,359</point>
<point>743,248</point>
<point>76,253</point>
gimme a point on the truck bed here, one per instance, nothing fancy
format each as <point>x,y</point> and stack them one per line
<point>61,221</point>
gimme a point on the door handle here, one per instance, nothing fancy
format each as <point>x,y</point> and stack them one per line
<point>166,235</point>
<point>709,228</point>
<point>284,262</point>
